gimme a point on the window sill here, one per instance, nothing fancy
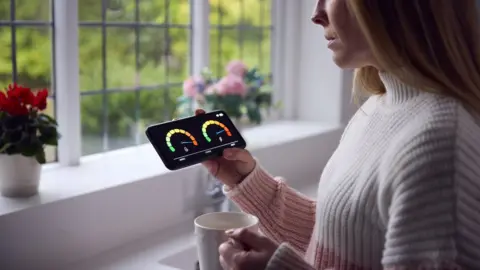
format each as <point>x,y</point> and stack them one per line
<point>115,168</point>
<point>162,250</point>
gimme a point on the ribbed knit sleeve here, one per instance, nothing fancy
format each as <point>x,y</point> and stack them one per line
<point>285,258</point>
<point>285,215</point>
<point>429,194</point>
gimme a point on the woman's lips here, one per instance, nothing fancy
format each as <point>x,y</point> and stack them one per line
<point>331,42</point>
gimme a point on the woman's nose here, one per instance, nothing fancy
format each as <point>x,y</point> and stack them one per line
<point>319,14</point>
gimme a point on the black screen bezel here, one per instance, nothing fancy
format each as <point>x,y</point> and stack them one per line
<point>169,164</point>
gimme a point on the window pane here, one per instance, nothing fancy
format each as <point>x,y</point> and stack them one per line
<point>225,12</point>
<point>129,75</point>
<point>28,10</point>
<point>5,56</point>
<point>120,58</point>
<point>265,63</point>
<point>90,59</point>
<point>34,57</point>
<point>92,110</point>
<point>179,12</point>
<point>178,54</point>
<point>152,52</point>
<point>229,46</point>
<point>157,106</point>
<point>251,46</point>
<point>155,11</point>
<point>240,29</point>
<point>120,10</point>
<point>122,119</point>
<point>215,52</point>
<point>4,10</point>
<point>90,10</point>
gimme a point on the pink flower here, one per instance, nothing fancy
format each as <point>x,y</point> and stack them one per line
<point>231,85</point>
<point>191,86</point>
<point>211,90</point>
<point>236,67</point>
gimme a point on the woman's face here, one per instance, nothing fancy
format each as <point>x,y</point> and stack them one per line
<point>345,39</point>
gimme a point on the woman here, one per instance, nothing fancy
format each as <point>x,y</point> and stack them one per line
<point>402,189</point>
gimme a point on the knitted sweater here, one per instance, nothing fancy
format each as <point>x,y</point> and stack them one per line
<point>401,191</point>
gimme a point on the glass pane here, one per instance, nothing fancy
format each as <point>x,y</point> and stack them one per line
<point>92,124</point>
<point>230,49</point>
<point>121,10</point>
<point>179,12</point>
<point>157,106</point>
<point>266,12</point>
<point>28,10</point>
<point>171,99</point>
<point>257,12</point>
<point>153,108</point>
<point>90,60</point>
<point>51,151</point>
<point>252,47</point>
<point>178,55</point>
<point>121,71</point>
<point>225,12</point>
<point>152,60</point>
<point>266,54</point>
<point>122,125</point>
<point>90,10</point>
<point>5,56</point>
<point>155,11</point>
<point>4,10</point>
<point>215,52</point>
<point>224,47</point>
<point>34,57</point>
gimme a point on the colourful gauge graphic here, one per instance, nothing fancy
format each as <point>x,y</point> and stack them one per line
<point>191,140</point>
<point>223,130</point>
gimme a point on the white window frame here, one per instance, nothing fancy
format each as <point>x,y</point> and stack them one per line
<point>68,113</point>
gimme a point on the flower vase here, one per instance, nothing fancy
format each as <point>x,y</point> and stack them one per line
<point>19,176</point>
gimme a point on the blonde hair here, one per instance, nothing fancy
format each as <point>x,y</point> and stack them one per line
<point>433,45</point>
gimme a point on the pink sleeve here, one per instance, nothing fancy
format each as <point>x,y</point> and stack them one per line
<point>285,215</point>
<point>285,258</point>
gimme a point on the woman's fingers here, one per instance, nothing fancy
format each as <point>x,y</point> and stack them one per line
<point>237,154</point>
<point>244,161</point>
<point>199,111</point>
<point>224,264</point>
<point>228,250</point>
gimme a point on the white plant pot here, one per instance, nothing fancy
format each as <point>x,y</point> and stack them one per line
<point>19,176</point>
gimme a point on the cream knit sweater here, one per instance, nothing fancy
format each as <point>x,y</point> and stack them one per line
<point>402,191</point>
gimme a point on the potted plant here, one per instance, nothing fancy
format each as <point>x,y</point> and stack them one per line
<point>243,93</point>
<point>25,130</point>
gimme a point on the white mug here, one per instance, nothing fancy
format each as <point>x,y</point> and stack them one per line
<point>210,234</point>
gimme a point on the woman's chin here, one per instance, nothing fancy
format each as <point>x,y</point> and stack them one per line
<point>340,61</point>
<point>343,61</point>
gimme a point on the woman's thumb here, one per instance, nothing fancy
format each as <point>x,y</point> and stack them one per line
<point>237,154</point>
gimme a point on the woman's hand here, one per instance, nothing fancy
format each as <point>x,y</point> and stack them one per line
<point>233,166</point>
<point>246,250</point>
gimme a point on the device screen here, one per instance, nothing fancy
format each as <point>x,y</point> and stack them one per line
<point>191,140</point>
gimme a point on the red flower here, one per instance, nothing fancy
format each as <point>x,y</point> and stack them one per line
<point>40,101</point>
<point>19,100</point>
<point>12,108</point>
<point>20,94</point>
